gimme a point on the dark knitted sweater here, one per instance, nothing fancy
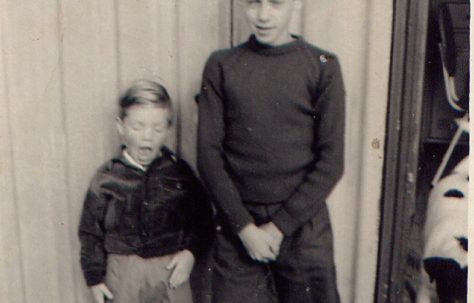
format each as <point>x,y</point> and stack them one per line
<point>271,129</point>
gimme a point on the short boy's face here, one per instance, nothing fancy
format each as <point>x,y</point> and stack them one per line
<point>269,20</point>
<point>143,131</point>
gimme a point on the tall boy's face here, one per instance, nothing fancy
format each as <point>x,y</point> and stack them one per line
<point>269,20</point>
<point>143,131</point>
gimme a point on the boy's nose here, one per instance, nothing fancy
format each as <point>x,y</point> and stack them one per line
<point>263,12</point>
<point>147,134</point>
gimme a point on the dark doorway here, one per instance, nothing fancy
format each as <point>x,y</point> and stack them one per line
<point>420,127</point>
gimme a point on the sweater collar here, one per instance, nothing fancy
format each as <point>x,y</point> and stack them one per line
<point>268,50</point>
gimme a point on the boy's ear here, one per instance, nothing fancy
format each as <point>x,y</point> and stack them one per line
<point>119,124</point>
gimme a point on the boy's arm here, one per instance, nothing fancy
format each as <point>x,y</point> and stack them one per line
<point>91,235</point>
<point>311,195</point>
<point>199,229</point>
<point>211,161</point>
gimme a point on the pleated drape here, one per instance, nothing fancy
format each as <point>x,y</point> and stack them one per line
<point>63,64</point>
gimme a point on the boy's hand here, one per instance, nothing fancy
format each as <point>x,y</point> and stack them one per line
<point>276,234</point>
<point>181,265</point>
<point>99,291</point>
<point>258,243</point>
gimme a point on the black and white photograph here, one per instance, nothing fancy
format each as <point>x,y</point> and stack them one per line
<point>234,151</point>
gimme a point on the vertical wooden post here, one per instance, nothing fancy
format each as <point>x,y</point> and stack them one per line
<point>401,164</point>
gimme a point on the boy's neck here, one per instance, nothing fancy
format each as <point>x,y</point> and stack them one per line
<point>267,49</point>
<point>287,40</point>
<point>132,161</point>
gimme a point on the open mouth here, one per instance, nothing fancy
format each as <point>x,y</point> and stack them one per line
<point>145,150</point>
<point>263,28</point>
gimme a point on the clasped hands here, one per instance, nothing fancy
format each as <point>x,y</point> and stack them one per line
<point>262,242</point>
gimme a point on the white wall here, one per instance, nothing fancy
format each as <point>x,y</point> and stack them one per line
<point>360,33</point>
<point>62,66</point>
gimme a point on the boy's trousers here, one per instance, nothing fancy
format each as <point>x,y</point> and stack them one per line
<point>304,271</point>
<point>133,279</point>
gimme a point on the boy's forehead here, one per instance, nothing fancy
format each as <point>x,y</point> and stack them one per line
<point>144,106</point>
<point>147,108</point>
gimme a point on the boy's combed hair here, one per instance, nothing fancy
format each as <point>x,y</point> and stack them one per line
<point>145,92</point>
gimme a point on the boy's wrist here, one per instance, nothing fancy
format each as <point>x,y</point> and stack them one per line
<point>285,222</point>
<point>94,278</point>
<point>246,229</point>
<point>275,230</point>
<point>241,221</point>
<point>96,285</point>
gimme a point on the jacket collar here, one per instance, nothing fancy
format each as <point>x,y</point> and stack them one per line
<point>166,155</point>
<point>131,161</point>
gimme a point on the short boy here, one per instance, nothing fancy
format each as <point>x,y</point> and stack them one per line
<point>145,216</point>
<point>270,150</point>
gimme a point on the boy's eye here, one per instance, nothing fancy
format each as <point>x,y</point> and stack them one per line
<point>137,126</point>
<point>253,1</point>
<point>159,128</point>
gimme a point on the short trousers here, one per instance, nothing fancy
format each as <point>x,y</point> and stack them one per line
<point>133,279</point>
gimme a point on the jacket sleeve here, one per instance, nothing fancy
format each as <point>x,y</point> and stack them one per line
<point>200,227</point>
<point>211,158</point>
<point>327,168</point>
<point>91,235</point>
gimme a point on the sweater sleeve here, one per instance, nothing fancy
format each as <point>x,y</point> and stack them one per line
<point>211,159</point>
<point>91,235</point>
<point>326,170</point>
<point>199,229</point>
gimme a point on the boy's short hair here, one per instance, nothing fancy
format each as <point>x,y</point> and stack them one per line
<point>145,92</point>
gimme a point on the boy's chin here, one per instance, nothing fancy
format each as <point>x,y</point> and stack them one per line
<point>146,161</point>
<point>264,40</point>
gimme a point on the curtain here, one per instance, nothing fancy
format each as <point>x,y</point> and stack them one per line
<point>62,68</point>
<point>64,64</point>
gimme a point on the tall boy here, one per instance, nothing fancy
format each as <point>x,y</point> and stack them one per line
<point>145,216</point>
<point>270,149</point>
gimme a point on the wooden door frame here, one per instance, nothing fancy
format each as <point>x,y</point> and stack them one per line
<point>410,27</point>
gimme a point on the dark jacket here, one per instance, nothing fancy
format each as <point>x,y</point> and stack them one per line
<point>153,213</point>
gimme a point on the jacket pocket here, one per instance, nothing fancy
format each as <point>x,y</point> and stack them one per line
<point>114,214</point>
<point>174,185</point>
<point>170,192</point>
